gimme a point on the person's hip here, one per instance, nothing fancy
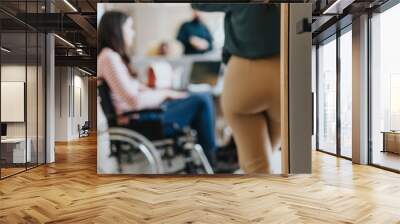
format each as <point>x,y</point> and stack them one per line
<point>251,86</point>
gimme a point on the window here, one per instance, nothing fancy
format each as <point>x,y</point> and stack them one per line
<point>385,89</point>
<point>334,94</point>
<point>326,91</point>
<point>22,77</point>
<point>346,93</point>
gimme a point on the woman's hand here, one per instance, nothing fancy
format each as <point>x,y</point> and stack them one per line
<point>175,95</point>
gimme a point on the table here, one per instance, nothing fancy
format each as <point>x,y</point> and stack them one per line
<point>13,150</point>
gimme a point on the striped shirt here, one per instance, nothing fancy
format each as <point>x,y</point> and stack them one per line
<point>127,92</point>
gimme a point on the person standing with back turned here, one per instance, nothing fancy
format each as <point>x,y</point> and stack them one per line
<point>251,95</point>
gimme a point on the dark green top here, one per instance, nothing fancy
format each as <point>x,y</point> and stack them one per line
<point>194,28</point>
<point>251,30</point>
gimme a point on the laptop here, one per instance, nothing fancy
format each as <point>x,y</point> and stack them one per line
<point>204,75</point>
<point>205,72</point>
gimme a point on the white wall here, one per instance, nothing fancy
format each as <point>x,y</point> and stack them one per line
<point>12,73</point>
<point>61,103</point>
<point>81,104</point>
<point>156,22</point>
<point>71,102</point>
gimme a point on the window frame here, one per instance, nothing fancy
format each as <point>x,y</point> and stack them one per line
<point>334,37</point>
<point>378,10</point>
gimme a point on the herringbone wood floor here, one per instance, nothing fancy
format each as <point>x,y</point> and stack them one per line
<point>70,191</point>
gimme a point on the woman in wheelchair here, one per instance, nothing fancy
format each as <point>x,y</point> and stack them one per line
<point>115,36</point>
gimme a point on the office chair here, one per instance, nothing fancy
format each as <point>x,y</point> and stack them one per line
<point>143,136</point>
<point>84,129</point>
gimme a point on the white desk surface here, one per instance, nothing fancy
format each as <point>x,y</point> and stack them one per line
<point>13,140</point>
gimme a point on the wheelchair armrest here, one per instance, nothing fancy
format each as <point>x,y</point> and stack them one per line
<point>136,114</point>
<point>145,115</point>
<point>157,111</point>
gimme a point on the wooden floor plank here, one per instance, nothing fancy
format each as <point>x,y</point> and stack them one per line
<point>70,191</point>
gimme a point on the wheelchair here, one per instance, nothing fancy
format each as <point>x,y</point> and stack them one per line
<point>142,144</point>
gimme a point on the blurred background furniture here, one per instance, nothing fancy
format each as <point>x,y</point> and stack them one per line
<point>13,151</point>
<point>84,129</point>
<point>391,141</point>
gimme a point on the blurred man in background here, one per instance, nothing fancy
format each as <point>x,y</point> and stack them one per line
<point>195,36</point>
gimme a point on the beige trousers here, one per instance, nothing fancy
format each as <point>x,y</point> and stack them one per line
<point>251,106</point>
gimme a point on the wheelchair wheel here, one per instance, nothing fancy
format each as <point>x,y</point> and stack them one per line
<point>134,152</point>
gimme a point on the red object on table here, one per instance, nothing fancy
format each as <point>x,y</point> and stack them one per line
<point>151,78</point>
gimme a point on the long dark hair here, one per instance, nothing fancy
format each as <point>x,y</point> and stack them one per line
<point>110,35</point>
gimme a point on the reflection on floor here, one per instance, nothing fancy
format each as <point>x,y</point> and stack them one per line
<point>346,152</point>
<point>13,169</point>
<point>387,159</point>
<point>70,191</point>
<point>10,171</point>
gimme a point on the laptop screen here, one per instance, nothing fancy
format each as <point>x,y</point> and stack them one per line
<point>205,72</point>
